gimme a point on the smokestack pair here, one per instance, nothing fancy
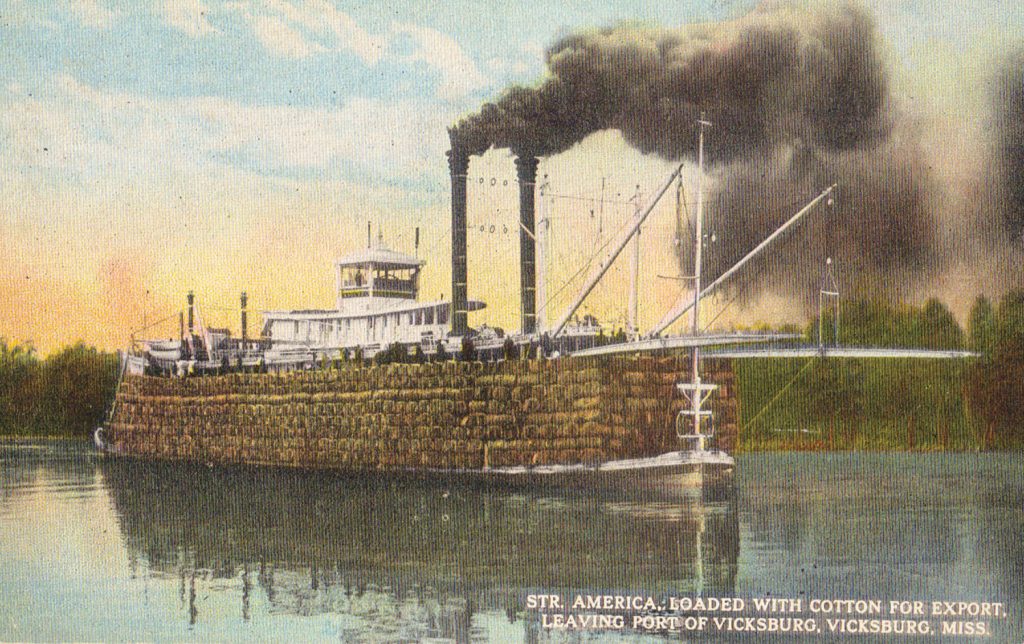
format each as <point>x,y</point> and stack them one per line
<point>526,169</point>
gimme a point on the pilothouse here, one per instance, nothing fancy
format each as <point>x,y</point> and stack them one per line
<point>377,305</point>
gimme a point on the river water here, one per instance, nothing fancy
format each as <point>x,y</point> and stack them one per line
<point>115,549</point>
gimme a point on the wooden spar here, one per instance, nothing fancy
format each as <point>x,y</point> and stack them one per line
<point>696,391</point>
<point>634,279</point>
<point>638,219</point>
<point>682,307</point>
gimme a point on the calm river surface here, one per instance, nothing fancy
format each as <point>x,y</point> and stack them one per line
<point>103,549</point>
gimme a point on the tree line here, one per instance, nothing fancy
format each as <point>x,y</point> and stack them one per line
<point>67,393</point>
<point>996,381</point>
<point>855,403</point>
<point>833,403</point>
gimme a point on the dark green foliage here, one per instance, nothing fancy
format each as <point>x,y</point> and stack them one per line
<point>982,326</point>
<point>80,386</point>
<point>996,383</point>
<point>936,328</point>
<point>835,403</point>
<point>418,356</point>
<point>894,404</point>
<point>876,323</point>
<point>1010,323</point>
<point>21,386</point>
<point>66,394</point>
<point>830,403</point>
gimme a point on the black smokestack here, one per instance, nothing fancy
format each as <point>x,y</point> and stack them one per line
<point>526,169</point>
<point>458,164</point>
<point>191,298</point>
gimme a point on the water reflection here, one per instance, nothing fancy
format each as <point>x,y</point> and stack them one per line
<point>930,527</point>
<point>414,557</point>
<point>93,549</point>
<point>28,467</point>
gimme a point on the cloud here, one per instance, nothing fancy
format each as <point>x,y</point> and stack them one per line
<point>459,75</point>
<point>364,137</point>
<point>301,29</point>
<point>92,136</point>
<point>188,16</point>
<point>277,36</point>
<point>337,29</point>
<point>297,30</point>
<point>92,13</point>
<point>202,187</point>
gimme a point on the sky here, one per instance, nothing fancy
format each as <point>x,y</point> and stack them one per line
<point>151,148</point>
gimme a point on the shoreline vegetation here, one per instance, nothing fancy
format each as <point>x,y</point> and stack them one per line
<point>65,395</point>
<point>818,404</point>
<point>798,404</point>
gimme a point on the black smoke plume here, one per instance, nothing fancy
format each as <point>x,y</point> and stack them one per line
<point>880,227</point>
<point>800,99</point>
<point>1009,163</point>
<point>771,77</point>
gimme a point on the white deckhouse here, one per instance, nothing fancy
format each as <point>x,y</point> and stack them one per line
<point>377,290</point>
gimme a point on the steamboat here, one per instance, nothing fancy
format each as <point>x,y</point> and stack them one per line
<point>542,405</point>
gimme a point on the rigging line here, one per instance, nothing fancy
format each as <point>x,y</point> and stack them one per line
<point>444,236</point>
<point>686,223</point>
<point>153,324</point>
<point>722,310</point>
<point>589,263</point>
<point>600,229</point>
<point>566,283</point>
<point>598,248</point>
<point>688,226</point>
<point>122,367</point>
<point>222,308</point>
<point>615,202</point>
<point>681,196</point>
<point>592,200</point>
<point>733,299</point>
<point>567,216</point>
<point>779,394</point>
